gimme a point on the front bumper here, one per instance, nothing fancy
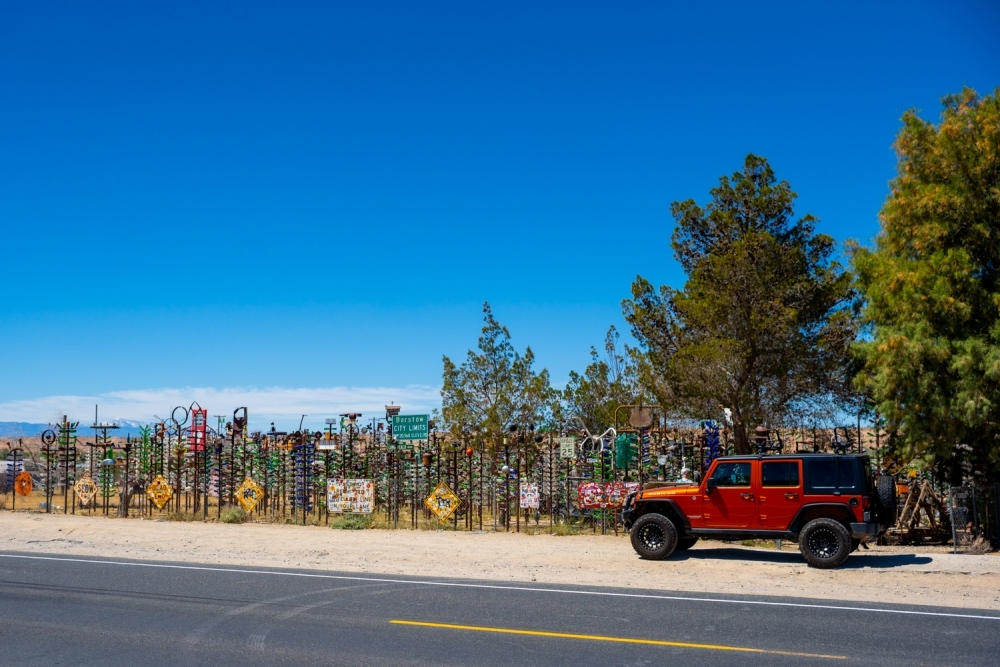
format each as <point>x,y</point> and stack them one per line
<point>628,511</point>
<point>864,529</point>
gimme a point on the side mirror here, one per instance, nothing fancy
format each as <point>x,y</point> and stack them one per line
<point>711,484</point>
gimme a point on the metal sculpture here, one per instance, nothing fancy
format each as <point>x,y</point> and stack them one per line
<point>67,454</point>
<point>50,451</point>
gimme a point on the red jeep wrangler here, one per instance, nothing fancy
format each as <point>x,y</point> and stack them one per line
<point>826,502</point>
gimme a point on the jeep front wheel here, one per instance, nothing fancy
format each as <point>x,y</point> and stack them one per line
<point>654,536</point>
<point>685,543</point>
<point>825,543</point>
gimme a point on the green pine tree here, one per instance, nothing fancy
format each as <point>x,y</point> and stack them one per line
<point>762,325</point>
<point>932,298</point>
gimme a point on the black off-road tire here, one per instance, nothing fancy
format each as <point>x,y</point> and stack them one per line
<point>653,536</point>
<point>885,500</point>
<point>825,543</point>
<point>685,543</point>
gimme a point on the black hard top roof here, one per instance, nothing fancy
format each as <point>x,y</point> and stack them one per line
<point>802,455</point>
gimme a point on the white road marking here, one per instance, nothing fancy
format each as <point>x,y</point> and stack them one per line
<point>564,591</point>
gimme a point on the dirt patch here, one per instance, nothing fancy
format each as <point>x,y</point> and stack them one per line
<point>883,574</point>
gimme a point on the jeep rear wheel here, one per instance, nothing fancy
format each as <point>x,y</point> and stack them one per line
<point>653,536</point>
<point>825,543</point>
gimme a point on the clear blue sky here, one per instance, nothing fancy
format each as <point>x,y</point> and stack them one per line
<point>323,194</point>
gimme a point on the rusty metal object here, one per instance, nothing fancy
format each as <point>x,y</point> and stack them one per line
<point>641,417</point>
<point>923,517</point>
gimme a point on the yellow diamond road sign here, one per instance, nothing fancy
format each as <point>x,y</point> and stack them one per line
<point>442,502</point>
<point>249,494</point>
<point>159,492</point>
<point>86,489</point>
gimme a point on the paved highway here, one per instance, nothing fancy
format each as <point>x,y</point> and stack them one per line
<point>74,611</point>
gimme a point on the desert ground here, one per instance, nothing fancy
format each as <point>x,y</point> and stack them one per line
<point>907,575</point>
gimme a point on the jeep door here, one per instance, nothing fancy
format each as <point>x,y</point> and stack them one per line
<point>731,504</point>
<point>780,495</point>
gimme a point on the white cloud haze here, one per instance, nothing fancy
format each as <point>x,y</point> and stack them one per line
<point>283,406</point>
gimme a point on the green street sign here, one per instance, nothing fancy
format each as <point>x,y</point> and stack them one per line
<point>409,427</point>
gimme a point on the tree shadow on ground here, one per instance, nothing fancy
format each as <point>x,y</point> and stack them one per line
<point>857,560</point>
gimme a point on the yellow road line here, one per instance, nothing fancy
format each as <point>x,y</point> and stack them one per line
<point>603,638</point>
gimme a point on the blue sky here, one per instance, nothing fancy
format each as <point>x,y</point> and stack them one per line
<point>310,197</point>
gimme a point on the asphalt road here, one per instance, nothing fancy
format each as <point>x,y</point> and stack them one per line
<point>64,611</point>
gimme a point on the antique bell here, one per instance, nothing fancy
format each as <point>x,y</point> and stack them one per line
<point>426,458</point>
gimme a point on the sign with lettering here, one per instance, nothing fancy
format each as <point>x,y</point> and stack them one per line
<point>529,495</point>
<point>356,496</point>
<point>409,427</point>
<point>567,448</point>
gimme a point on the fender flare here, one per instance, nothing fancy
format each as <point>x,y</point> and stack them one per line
<point>835,510</point>
<point>673,511</point>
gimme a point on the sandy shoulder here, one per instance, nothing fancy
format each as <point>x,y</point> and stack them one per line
<point>886,574</point>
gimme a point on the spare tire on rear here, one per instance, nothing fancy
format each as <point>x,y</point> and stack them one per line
<point>885,500</point>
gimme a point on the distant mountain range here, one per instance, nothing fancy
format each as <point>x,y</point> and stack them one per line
<point>29,430</point>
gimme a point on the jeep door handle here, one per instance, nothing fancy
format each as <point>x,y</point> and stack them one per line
<point>792,496</point>
<point>746,496</point>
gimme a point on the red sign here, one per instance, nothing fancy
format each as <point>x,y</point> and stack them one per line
<point>197,434</point>
<point>594,495</point>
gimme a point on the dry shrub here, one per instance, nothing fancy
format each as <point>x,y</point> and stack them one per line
<point>352,522</point>
<point>234,515</point>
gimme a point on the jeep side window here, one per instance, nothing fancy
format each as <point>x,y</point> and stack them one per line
<point>822,473</point>
<point>732,474</point>
<point>781,473</point>
<point>847,480</point>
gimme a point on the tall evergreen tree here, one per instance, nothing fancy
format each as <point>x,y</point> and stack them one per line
<point>932,298</point>
<point>604,385</point>
<point>496,387</point>
<point>762,325</point>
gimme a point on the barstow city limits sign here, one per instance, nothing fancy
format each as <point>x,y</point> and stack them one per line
<point>409,427</point>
